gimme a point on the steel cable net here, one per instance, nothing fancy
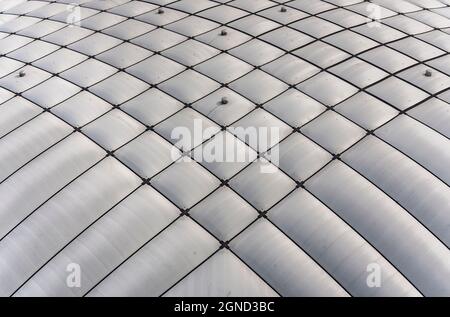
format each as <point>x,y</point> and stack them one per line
<point>99,197</point>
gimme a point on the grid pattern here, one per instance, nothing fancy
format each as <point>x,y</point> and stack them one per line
<point>86,174</point>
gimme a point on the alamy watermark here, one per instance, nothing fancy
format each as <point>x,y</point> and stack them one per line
<point>373,279</point>
<point>222,149</point>
<point>74,16</point>
<point>74,277</point>
<point>374,11</point>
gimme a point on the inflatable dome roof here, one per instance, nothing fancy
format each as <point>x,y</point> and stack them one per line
<point>224,148</point>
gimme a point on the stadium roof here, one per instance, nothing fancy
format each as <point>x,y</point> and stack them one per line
<point>358,92</point>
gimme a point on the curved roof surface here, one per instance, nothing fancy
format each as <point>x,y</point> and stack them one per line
<point>358,93</point>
